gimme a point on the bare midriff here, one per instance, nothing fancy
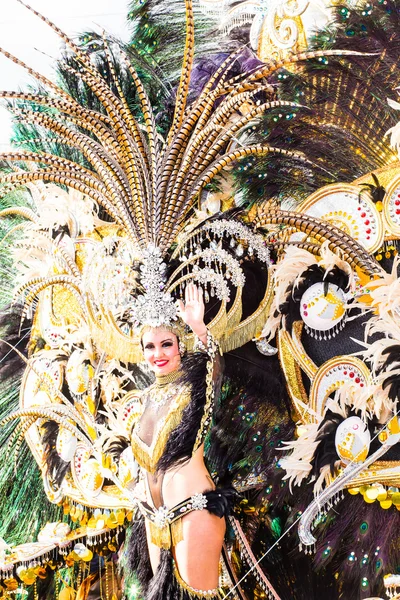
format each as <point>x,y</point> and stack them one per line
<point>181,482</point>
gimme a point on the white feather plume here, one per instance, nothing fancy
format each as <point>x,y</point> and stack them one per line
<point>288,271</point>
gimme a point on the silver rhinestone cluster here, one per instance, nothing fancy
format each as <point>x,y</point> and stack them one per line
<point>198,501</point>
<point>256,243</point>
<point>155,307</point>
<point>205,276</point>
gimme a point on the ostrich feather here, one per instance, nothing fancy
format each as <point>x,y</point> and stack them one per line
<point>286,273</point>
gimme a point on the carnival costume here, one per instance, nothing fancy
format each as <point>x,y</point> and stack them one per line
<point>109,256</point>
<point>76,406</point>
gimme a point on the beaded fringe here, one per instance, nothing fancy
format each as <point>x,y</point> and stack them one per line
<point>148,458</point>
<point>168,536</point>
<point>186,592</point>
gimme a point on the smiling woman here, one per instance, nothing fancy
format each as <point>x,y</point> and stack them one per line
<point>165,443</point>
<point>161,351</point>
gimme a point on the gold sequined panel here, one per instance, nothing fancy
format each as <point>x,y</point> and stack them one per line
<point>292,371</point>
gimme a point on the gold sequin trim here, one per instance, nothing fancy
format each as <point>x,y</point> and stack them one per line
<point>162,380</point>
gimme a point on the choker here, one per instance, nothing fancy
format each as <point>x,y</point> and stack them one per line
<point>162,380</point>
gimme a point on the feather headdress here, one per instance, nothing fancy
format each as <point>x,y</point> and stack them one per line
<point>148,186</point>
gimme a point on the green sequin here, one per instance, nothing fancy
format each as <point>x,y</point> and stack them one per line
<point>327,552</point>
<point>276,527</point>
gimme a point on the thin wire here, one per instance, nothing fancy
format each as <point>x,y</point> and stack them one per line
<point>298,519</point>
<point>55,16</point>
<point>12,349</point>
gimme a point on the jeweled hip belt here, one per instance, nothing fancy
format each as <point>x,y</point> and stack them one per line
<point>165,523</point>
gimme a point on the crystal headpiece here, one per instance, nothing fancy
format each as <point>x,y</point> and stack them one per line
<point>156,306</point>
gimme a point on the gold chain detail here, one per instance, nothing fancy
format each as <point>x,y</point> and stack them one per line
<point>211,349</point>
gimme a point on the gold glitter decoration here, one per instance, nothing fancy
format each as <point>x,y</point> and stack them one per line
<point>293,378</point>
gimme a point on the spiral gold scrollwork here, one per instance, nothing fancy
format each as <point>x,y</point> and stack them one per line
<point>284,24</point>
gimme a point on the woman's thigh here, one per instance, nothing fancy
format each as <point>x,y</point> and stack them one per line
<point>197,555</point>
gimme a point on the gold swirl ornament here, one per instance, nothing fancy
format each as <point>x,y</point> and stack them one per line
<point>333,375</point>
<point>128,468</point>
<point>391,208</point>
<point>92,478</point>
<point>66,444</point>
<point>323,314</point>
<point>36,391</point>
<point>87,472</point>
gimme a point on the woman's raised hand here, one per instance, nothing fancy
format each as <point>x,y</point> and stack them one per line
<point>192,310</point>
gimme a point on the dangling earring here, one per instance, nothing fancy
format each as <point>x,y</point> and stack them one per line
<point>182,348</point>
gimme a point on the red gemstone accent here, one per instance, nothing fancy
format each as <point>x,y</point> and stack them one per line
<point>368,238</point>
<point>398,211</point>
<point>305,314</point>
<point>361,385</point>
<point>351,374</point>
<point>368,231</point>
<point>359,208</point>
<point>357,380</point>
<point>366,222</point>
<point>344,372</point>
<point>363,214</point>
<point>397,202</point>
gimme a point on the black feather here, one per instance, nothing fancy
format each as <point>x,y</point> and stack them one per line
<point>182,439</point>
<point>11,365</point>
<point>325,453</point>
<point>57,467</point>
<point>136,555</point>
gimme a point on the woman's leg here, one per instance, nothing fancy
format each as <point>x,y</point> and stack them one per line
<point>197,555</point>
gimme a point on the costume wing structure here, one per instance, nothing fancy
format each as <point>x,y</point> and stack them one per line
<point>89,227</point>
<point>332,348</point>
<point>343,389</point>
<point>64,407</point>
<point>125,220</point>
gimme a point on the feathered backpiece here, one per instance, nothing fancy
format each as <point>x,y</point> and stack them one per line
<point>107,245</point>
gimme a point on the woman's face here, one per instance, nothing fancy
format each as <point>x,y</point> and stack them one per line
<point>161,351</point>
